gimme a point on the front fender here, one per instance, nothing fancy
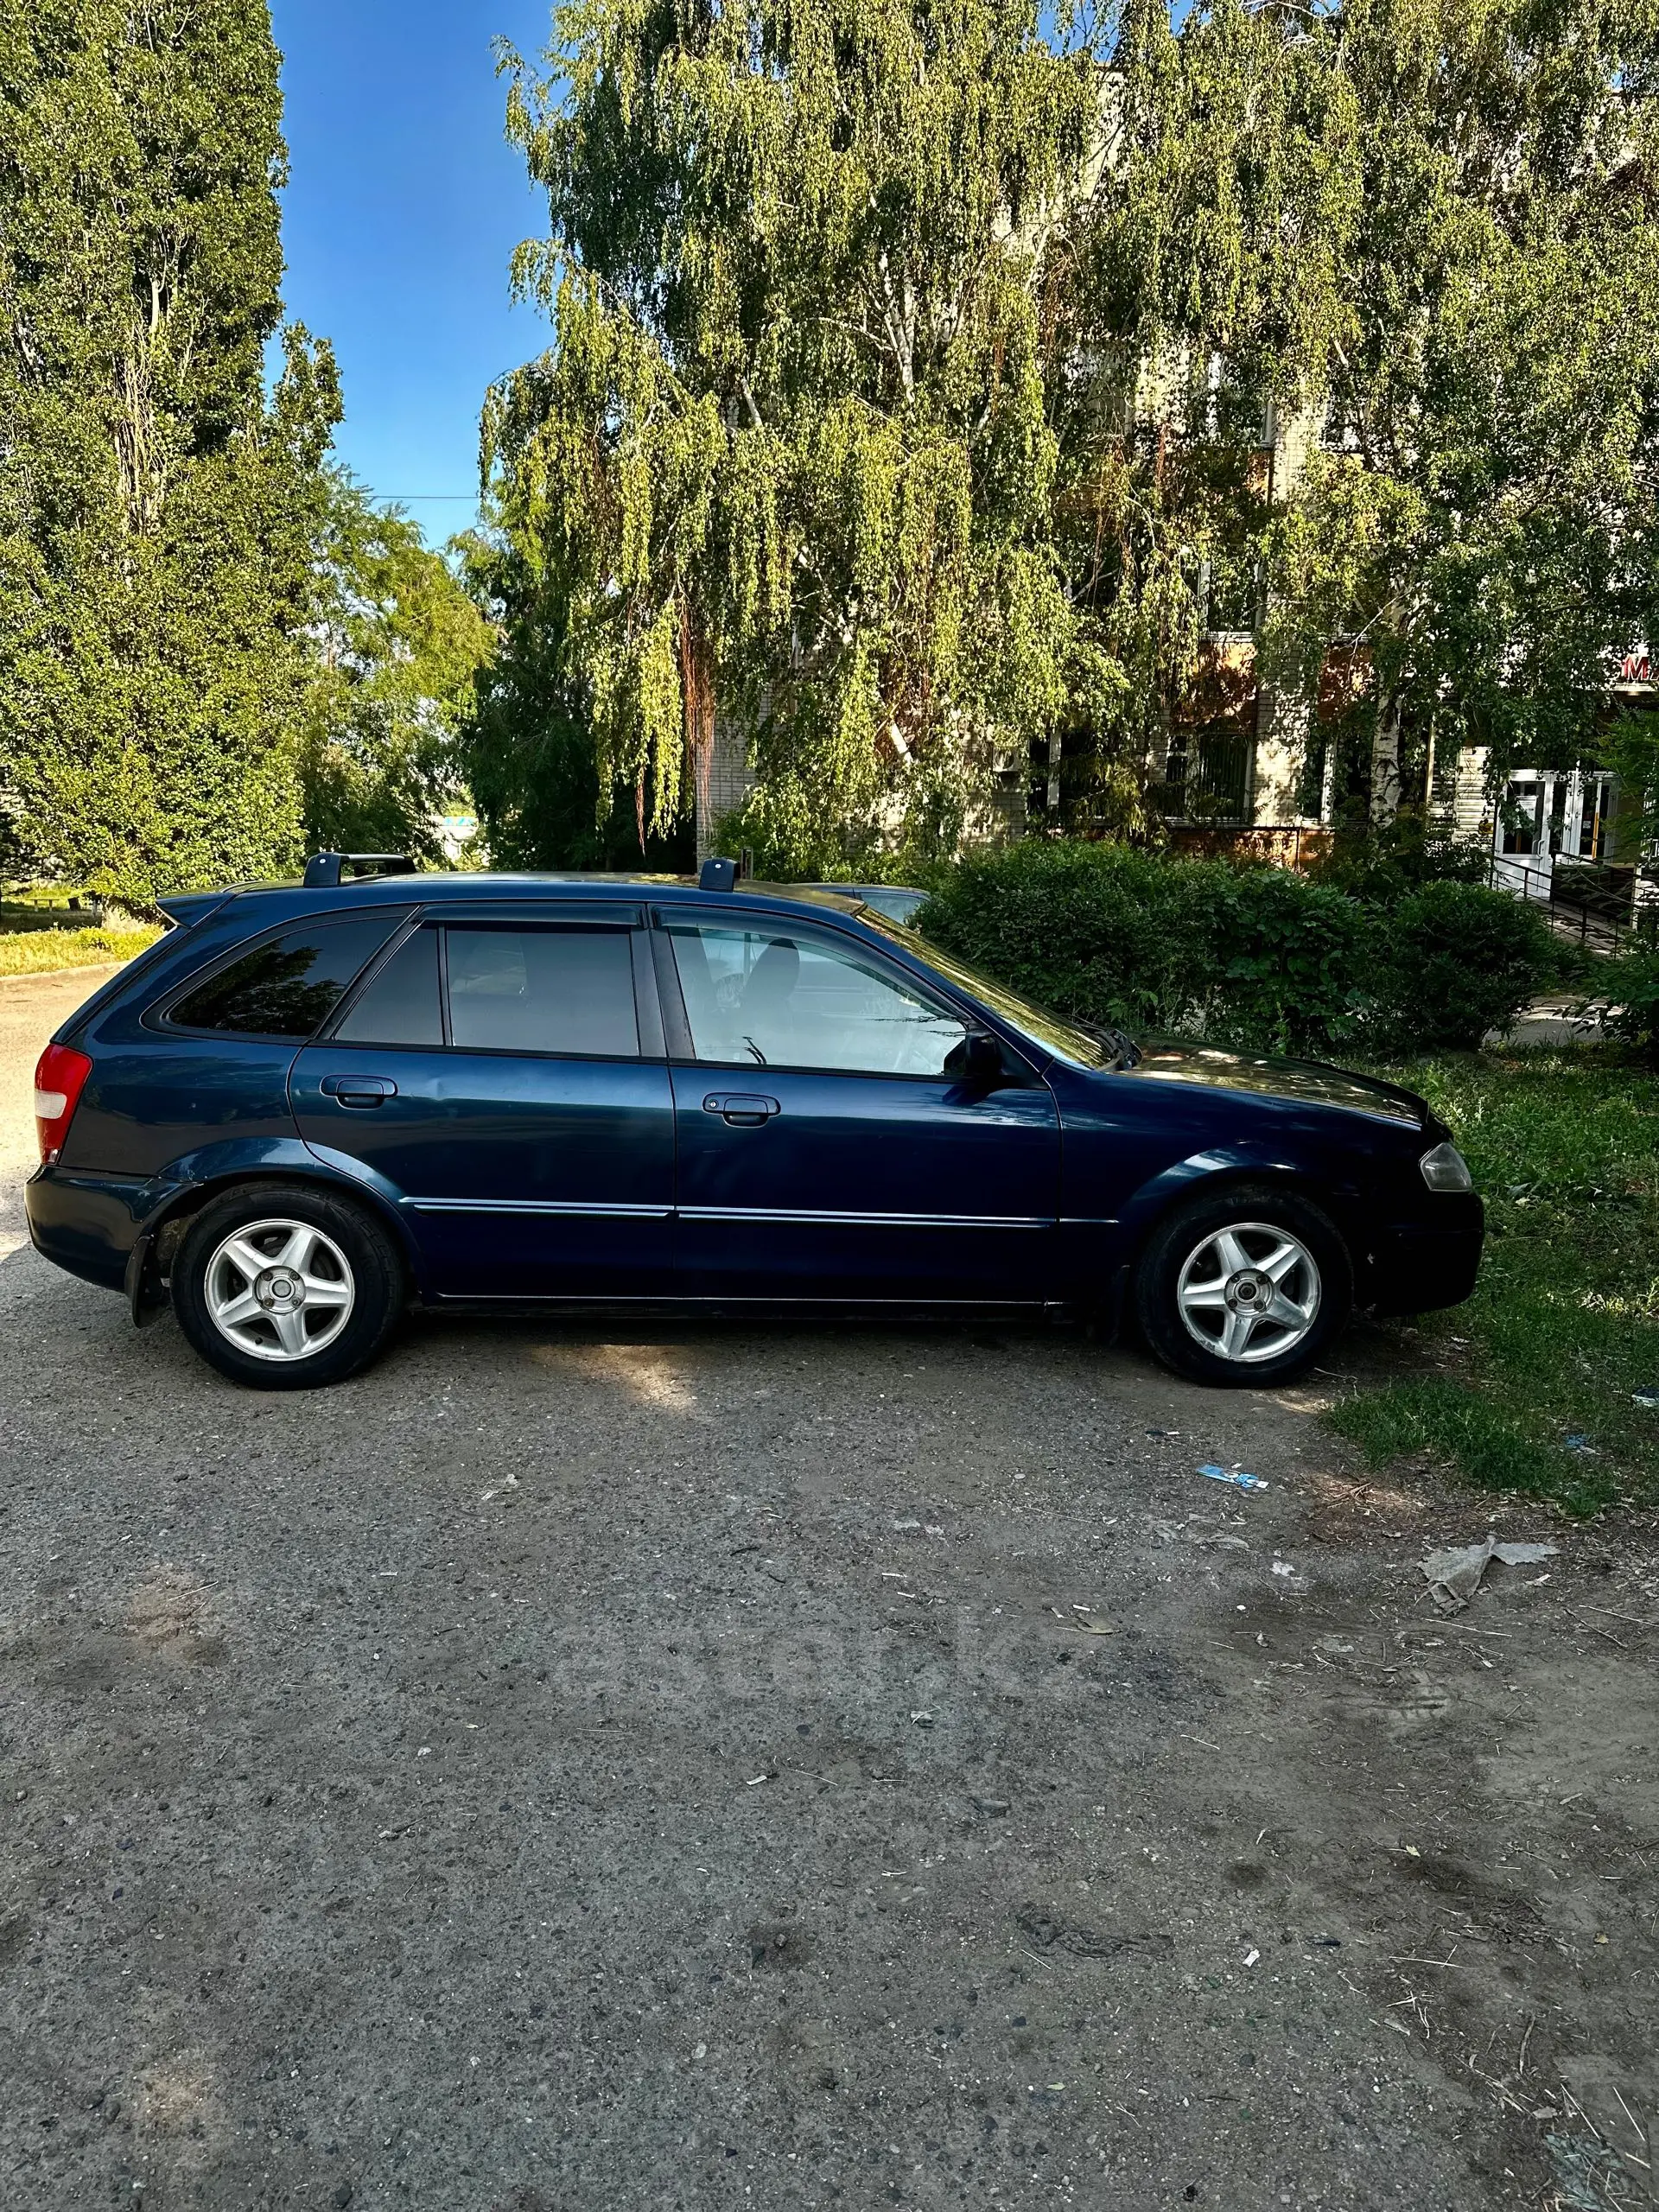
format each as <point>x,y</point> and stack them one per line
<point>1257,1162</point>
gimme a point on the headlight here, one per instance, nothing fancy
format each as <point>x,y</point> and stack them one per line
<point>1446,1169</point>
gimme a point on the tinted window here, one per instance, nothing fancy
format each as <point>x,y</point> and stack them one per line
<point>400,1006</point>
<point>762,998</point>
<point>290,985</point>
<point>542,991</point>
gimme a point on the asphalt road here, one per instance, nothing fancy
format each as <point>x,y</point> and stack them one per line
<point>576,1768</point>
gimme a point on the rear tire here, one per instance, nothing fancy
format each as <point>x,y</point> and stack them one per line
<point>1243,1288</point>
<point>285,1288</point>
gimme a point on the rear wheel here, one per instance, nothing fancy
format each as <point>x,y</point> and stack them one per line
<point>285,1288</point>
<point>1245,1288</point>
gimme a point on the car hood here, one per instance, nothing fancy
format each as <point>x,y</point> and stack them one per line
<point>1310,1082</point>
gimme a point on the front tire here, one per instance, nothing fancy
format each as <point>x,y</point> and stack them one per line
<point>285,1288</point>
<point>1243,1288</point>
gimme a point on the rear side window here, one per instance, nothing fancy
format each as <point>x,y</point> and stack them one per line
<point>288,986</point>
<point>569,991</point>
<point>400,1005</point>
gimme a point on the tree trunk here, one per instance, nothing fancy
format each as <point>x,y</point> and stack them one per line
<point>1385,766</point>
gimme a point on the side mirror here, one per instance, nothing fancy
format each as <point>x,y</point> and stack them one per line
<point>978,1059</point>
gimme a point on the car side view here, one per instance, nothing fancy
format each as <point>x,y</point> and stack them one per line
<point>310,1107</point>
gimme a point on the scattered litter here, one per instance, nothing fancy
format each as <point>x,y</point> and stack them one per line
<point>923,1719</point>
<point>702,2051</point>
<point>908,1527</point>
<point>425,1752</point>
<point>1283,1568</point>
<point>1578,1442</point>
<point>1647,1395</point>
<point>994,1806</point>
<point>1250,1957</point>
<point>1235,1476</point>
<point>1454,1575</point>
<point>1091,1623</point>
<point>755,1780</point>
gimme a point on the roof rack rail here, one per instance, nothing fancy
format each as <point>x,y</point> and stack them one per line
<point>327,871</point>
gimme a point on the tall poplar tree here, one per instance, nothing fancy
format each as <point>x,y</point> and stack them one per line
<point>159,512</point>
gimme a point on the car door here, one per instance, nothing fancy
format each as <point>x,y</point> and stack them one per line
<point>500,1076</point>
<point>826,1151</point>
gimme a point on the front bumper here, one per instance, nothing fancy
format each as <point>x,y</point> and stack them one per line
<point>1416,1266</point>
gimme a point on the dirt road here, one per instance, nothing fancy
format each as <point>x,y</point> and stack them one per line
<point>709,1768</point>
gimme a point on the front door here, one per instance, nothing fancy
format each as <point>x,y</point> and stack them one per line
<point>826,1149</point>
<point>502,1083</point>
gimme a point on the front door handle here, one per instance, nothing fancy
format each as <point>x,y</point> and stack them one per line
<point>741,1109</point>
<point>360,1090</point>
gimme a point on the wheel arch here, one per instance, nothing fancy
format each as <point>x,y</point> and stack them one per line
<point>1208,1174</point>
<point>150,1263</point>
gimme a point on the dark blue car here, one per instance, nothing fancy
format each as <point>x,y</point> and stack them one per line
<point>308,1107</point>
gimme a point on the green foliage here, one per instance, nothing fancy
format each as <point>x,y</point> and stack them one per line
<point>1382,862</point>
<point>158,512</point>
<point>1254,956</point>
<point>1462,960</point>
<point>524,745</point>
<point>399,644</point>
<point>1564,1325</point>
<point>1481,525</point>
<point>1629,987</point>
<point>1113,935</point>
<point>905,408</point>
<point>38,952</point>
<point>851,302</point>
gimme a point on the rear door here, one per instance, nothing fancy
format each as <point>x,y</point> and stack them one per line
<point>500,1076</point>
<point>826,1150</point>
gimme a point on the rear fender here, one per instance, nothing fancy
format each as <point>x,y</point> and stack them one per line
<point>166,1205</point>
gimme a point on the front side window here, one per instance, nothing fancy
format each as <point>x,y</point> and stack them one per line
<point>775,998</point>
<point>288,986</point>
<point>569,991</point>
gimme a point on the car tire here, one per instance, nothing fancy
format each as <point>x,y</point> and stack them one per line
<point>1243,1288</point>
<point>281,1287</point>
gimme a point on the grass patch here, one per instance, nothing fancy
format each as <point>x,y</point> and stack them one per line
<point>1564,1325</point>
<point>39,951</point>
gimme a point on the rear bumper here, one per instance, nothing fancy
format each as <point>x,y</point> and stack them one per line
<point>86,1224</point>
<point>1416,1266</point>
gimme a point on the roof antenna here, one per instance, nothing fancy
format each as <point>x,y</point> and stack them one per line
<point>717,875</point>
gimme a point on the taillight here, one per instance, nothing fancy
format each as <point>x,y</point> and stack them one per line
<point>58,1081</point>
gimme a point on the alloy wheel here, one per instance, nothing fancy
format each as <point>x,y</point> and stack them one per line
<point>279,1290</point>
<point>1249,1293</point>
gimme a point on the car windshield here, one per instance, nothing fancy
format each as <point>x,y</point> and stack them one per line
<point>1083,1048</point>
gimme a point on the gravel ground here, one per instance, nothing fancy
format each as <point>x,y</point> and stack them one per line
<point>584,1768</point>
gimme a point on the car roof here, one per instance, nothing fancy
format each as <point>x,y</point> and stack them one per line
<point>441,886</point>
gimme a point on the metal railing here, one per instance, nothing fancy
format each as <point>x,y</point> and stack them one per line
<point>1595,901</point>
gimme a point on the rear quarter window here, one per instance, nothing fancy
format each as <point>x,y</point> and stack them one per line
<point>288,986</point>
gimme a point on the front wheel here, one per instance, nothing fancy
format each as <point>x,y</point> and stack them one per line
<point>1244,1288</point>
<point>285,1288</point>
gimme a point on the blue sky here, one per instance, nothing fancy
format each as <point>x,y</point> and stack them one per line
<point>404,205</point>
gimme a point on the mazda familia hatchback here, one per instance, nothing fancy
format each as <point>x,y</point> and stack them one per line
<point>308,1109</point>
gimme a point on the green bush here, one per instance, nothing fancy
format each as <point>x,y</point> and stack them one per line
<point>1108,933</point>
<point>1254,956</point>
<point>1631,985</point>
<point>1459,960</point>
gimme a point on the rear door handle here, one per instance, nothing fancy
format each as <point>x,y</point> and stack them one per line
<point>359,1090</point>
<point>741,1109</point>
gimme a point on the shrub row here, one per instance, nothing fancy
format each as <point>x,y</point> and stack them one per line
<point>1249,955</point>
